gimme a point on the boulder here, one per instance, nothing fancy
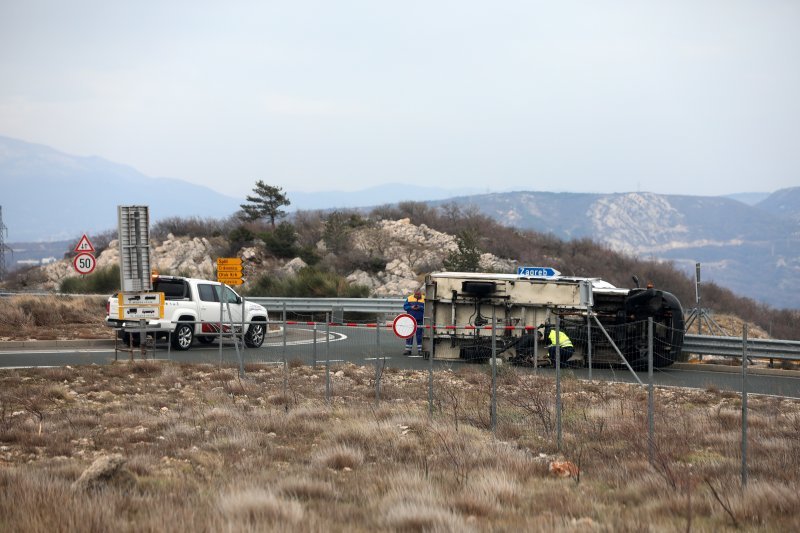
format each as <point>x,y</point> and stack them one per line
<point>106,471</point>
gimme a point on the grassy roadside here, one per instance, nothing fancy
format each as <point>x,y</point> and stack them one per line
<point>26,317</point>
<point>194,448</point>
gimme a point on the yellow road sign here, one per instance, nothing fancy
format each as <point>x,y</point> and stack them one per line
<point>228,276</point>
<point>229,268</point>
<point>229,261</point>
<point>237,281</point>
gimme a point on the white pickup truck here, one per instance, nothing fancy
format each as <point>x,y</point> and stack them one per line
<point>192,309</point>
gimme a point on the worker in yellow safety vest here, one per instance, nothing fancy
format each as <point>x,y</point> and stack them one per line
<point>562,342</point>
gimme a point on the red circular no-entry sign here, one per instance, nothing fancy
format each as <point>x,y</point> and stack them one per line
<point>404,326</point>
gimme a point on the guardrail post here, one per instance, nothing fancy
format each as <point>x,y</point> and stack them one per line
<point>285,362</point>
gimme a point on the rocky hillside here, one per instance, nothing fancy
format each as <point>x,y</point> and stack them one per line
<point>411,252</point>
<point>752,250</point>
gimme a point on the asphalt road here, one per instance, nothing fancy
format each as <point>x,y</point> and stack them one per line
<point>363,345</point>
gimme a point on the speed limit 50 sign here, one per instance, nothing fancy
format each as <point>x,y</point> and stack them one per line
<point>84,263</point>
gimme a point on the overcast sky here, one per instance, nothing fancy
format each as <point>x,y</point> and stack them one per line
<point>682,97</point>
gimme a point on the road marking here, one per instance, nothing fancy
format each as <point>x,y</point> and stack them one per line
<point>59,350</point>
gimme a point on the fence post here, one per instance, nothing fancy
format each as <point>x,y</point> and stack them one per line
<point>377,359</point>
<point>327,358</point>
<point>430,370</point>
<point>650,399</point>
<point>493,412</point>
<point>219,339</point>
<point>589,338</point>
<point>285,362</point>
<point>314,353</point>
<point>558,383</point>
<point>744,406</point>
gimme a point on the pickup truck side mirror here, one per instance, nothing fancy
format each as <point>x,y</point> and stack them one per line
<point>238,300</point>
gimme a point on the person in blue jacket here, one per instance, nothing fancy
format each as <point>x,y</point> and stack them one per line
<point>415,306</point>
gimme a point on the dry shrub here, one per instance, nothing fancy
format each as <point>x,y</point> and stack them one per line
<point>339,457</point>
<point>56,392</point>
<point>170,375</point>
<point>180,436</point>
<point>15,317</point>
<point>145,368</point>
<point>423,516</point>
<point>59,373</point>
<point>487,492</point>
<point>262,507</point>
<point>142,465</point>
<point>409,503</point>
<point>762,502</point>
<point>307,489</point>
<point>385,440</point>
<point>45,311</point>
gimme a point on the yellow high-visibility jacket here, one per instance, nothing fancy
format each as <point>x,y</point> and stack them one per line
<point>564,340</point>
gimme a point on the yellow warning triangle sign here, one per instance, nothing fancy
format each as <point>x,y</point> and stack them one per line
<point>84,245</point>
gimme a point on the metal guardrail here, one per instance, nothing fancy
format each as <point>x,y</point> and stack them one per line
<point>692,344</point>
<point>310,305</point>
<point>732,347</point>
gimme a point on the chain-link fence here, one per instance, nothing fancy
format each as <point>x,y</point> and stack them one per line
<point>600,405</point>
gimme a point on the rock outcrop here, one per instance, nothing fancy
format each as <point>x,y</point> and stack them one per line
<point>411,252</point>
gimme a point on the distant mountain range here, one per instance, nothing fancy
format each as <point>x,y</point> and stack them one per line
<point>747,242</point>
<point>50,196</point>
<point>753,250</point>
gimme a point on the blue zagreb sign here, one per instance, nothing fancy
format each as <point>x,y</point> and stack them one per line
<point>537,272</point>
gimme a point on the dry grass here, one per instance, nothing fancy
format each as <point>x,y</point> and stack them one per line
<point>206,451</point>
<point>53,317</point>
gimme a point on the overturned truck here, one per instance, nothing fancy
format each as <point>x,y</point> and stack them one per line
<point>605,323</point>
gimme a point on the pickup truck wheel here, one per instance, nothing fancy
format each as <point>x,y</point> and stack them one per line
<point>182,336</point>
<point>255,335</point>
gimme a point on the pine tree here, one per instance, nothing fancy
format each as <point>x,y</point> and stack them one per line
<point>266,203</point>
<point>467,257</point>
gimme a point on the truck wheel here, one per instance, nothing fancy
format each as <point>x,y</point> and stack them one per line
<point>182,336</point>
<point>255,335</point>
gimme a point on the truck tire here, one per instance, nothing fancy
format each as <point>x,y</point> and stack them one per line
<point>255,335</point>
<point>182,336</point>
